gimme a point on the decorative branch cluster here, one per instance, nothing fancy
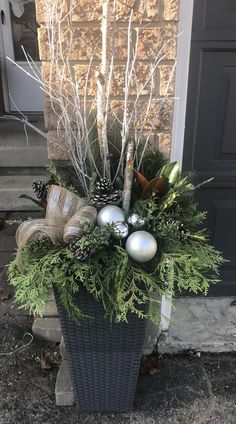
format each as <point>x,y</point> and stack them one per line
<point>81,133</point>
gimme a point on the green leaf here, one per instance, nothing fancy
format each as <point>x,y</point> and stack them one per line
<point>171,171</point>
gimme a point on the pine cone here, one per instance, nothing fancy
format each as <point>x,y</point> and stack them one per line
<point>104,194</point>
<point>40,189</point>
<point>82,254</point>
<point>103,185</point>
<point>107,199</point>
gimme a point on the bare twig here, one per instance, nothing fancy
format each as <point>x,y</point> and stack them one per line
<point>73,106</point>
<point>21,347</point>
<point>128,181</point>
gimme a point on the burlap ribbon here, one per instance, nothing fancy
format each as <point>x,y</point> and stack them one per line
<point>66,217</point>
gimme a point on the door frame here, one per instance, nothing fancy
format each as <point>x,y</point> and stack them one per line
<point>4,74</point>
<point>181,81</point>
<point>178,129</point>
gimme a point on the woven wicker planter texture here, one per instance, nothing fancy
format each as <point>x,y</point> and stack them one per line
<point>104,359</point>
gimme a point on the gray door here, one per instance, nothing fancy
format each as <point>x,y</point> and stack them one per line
<point>18,28</point>
<point>210,136</point>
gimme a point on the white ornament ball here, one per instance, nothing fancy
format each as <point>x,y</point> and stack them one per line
<point>110,214</point>
<point>120,230</point>
<point>141,246</point>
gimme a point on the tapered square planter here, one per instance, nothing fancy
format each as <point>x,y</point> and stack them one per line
<point>104,359</point>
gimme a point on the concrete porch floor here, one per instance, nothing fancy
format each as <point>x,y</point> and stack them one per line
<point>22,159</point>
<point>202,324</point>
<point>186,389</point>
<point>12,131</point>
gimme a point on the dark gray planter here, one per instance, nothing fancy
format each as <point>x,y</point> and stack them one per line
<point>104,359</point>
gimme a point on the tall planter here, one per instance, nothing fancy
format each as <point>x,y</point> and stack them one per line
<point>104,358</point>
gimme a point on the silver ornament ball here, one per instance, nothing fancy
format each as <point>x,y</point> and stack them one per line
<point>120,230</point>
<point>110,214</point>
<point>135,220</point>
<point>141,246</point>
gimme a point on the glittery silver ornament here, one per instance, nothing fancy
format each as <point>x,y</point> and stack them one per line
<point>110,214</point>
<point>141,246</point>
<point>136,220</point>
<point>120,230</point>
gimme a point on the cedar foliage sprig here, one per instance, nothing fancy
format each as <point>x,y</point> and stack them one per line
<point>122,286</point>
<point>111,278</point>
<point>64,177</point>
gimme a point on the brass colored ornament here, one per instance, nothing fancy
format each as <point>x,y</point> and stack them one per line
<point>120,230</point>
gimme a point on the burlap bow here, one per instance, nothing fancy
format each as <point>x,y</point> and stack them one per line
<point>67,217</point>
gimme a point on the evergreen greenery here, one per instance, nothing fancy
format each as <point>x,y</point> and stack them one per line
<point>62,173</point>
<point>151,162</point>
<point>185,260</point>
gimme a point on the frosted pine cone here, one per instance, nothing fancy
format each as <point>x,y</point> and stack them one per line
<point>40,189</point>
<point>82,254</point>
<point>103,185</point>
<point>104,194</point>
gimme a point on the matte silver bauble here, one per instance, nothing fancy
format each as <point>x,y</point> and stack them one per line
<point>110,214</point>
<point>120,230</point>
<point>136,220</point>
<point>141,246</point>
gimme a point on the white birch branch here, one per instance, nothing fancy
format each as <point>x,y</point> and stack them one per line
<point>101,91</point>
<point>128,180</point>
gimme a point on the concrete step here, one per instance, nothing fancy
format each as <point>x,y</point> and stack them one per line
<point>6,258</point>
<point>63,349</point>
<point>23,156</point>
<point>50,310</point>
<point>201,324</point>
<point>64,391</point>
<point>8,227</point>
<point>12,186</point>
<point>48,329</point>
<point>13,132</point>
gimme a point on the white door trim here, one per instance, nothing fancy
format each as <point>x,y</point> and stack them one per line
<point>181,82</point>
<point>181,91</point>
<point>3,75</point>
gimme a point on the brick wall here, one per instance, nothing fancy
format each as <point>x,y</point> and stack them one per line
<point>159,24</point>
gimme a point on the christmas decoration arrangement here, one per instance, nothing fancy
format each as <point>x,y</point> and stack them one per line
<point>119,224</point>
<point>121,256</point>
<point>125,224</point>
